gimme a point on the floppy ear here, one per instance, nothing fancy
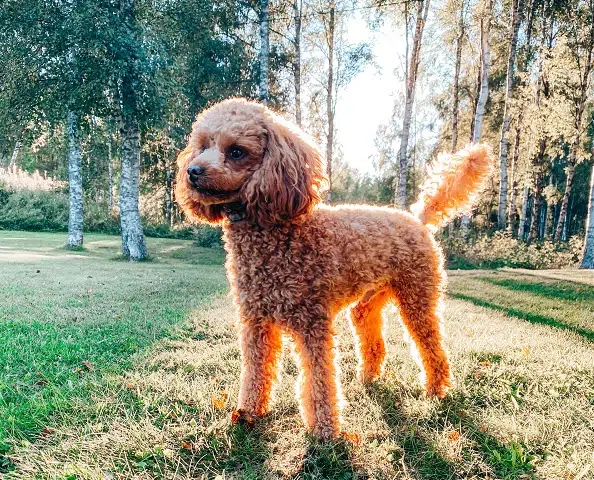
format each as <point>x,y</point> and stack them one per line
<point>290,179</point>
<point>194,210</point>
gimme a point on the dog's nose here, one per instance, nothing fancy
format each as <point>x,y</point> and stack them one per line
<point>194,172</point>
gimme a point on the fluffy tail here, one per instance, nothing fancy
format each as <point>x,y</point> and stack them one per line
<point>452,184</point>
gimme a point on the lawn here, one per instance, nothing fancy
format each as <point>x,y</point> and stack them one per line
<point>112,370</point>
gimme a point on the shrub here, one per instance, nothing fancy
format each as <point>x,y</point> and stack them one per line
<point>34,210</point>
<point>502,250</point>
<point>209,237</point>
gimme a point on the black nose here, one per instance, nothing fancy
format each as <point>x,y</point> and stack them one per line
<point>194,172</point>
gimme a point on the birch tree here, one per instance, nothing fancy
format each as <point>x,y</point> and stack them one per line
<point>456,88</point>
<point>588,256</point>
<point>410,86</point>
<point>581,48</point>
<point>297,14</point>
<point>133,243</point>
<point>330,103</point>
<point>75,218</point>
<point>264,50</point>
<point>504,142</point>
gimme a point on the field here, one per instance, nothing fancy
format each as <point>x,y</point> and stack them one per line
<point>111,370</point>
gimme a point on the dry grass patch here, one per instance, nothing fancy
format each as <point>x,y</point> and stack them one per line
<point>523,408</point>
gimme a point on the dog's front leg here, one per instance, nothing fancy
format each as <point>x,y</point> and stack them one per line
<point>318,387</point>
<point>261,347</point>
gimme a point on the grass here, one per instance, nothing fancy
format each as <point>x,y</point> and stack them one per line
<point>163,381</point>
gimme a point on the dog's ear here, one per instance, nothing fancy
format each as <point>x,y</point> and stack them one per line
<point>194,210</point>
<point>290,179</point>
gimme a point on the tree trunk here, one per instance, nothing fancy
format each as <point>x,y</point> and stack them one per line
<point>456,92</point>
<point>504,142</point>
<point>75,218</point>
<point>169,194</point>
<point>330,99</point>
<point>133,244</point>
<point>297,10</point>
<point>514,182</point>
<point>110,172</point>
<point>588,258</point>
<point>566,195</point>
<point>485,64</point>
<point>523,213</point>
<point>534,224</point>
<point>15,154</point>
<point>264,50</point>
<point>411,81</point>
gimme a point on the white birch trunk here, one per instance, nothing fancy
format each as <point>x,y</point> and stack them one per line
<point>523,213</point>
<point>411,81</point>
<point>330,101</point>
<point>514,181</point>
<point>456,92</point>
<point>110,173</point>
<point>588,258</point>
<point>264,50</point>
<point>75,218</point>
<point>297,10</point>
<point>15,154</point>
<point>133,243</point>
<point>504,142</point>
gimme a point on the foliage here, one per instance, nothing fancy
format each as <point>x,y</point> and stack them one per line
<point>503,250</point>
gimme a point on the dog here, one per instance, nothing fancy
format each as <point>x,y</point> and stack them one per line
<point>294,263</point>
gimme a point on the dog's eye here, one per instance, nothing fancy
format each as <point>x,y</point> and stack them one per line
<point>236,153</point>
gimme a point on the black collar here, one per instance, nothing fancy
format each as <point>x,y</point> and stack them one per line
<point>235,212</point>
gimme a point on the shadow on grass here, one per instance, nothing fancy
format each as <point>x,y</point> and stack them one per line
<point>421,457</point>
<point>558,290</point>
<point>528,316</point>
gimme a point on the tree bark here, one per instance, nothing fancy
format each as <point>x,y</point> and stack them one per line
<point>539,162</point>
<point>411,81</point>
<point>297,10</point>
<point>504,142</point>
<point>514,182</point>
<point>75,218</point>
<point>264,50</point>
<point>133,243</point>
<point>523,214</point>
<point>110,172</point>
<point>169,194</point>
<point>485,64</point>
<point>588,257</point>
<point>565,201</point>
<point>330,99</point>
<point>456,92</point>
<point>15,154</point>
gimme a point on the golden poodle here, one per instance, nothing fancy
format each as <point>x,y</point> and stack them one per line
<point>294,264</point>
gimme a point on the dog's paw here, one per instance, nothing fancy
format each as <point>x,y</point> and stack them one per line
<point>241,417</point>
<point>438,390</point>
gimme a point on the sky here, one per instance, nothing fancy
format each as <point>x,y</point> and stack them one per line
<point>368,101</point>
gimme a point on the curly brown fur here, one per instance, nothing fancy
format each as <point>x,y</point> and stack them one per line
<point>294,264</point>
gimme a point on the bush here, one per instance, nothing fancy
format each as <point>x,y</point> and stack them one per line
<point>502,250</point>
<point>34,210</point>
<point>209,237</point>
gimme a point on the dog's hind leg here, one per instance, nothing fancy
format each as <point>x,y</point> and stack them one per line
<point>318,387</point>
<point>419,304</point>
<point>367,321</point>
<point>261,348</point>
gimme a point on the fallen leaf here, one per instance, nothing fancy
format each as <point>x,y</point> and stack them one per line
<point>478,373</point>
<point>47,431</point>
<point>186,445</point>
<point>88,365</point>
<point>219,402</point>
<point>352,437</point>
<point>527,351</point>
<point>454,436</point>
<point>485,363</point>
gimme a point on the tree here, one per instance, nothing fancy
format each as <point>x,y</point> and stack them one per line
<point>456,87</point>
<point>330,102</point>
<point>297,14</point>
<point>75,219</point>
<point>264,50</point>
<point>581,47</point>
<point>411,82</point>
<point>504,143</point>
<point>588,256</point>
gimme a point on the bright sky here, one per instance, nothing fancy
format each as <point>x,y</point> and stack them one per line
<point>368,100</point>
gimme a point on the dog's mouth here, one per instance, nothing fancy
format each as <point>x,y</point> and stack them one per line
<point>215,193</point>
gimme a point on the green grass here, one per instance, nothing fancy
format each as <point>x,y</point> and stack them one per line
<point>165,365</point>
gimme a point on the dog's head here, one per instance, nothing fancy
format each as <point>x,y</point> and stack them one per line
<point>243,159</point>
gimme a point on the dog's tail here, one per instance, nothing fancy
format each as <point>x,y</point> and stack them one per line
<point>452,184</point>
